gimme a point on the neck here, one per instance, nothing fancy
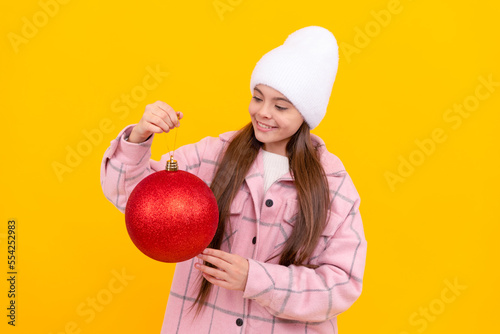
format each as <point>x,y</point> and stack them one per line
<point>275,148</point>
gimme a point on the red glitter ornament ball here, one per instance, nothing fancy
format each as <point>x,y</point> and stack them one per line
<point>171,216</point>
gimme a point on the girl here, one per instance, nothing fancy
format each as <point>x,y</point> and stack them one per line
<point>289,252</point>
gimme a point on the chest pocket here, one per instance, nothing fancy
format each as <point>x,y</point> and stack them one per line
<point>291,210</point>
<point>239,203</point>
<point>290,217</point>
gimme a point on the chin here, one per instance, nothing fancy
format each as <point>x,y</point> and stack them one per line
<point>258,136</point>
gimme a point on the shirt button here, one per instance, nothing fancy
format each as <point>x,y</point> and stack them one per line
<point>254,240</point>
<point>269,203</point>
<point>239,322</point>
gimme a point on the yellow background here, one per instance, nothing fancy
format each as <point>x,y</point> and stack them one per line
<point>436,226</point>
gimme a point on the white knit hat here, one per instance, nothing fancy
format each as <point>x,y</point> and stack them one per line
<point>303,69</point>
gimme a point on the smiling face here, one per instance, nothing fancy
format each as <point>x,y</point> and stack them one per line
<point>274,118</point>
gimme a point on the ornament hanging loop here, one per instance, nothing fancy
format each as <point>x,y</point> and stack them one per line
<point>171,165</point>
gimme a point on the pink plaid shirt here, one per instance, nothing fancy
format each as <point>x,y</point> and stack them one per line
<point>277,299</point>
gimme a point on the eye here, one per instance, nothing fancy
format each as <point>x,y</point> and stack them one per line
<point>280,108</point>
<point>256,98</point>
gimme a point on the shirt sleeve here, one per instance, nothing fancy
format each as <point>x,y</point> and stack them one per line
<point>314,295</point>
<point>125,164</point>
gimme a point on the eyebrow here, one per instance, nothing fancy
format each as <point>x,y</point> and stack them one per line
<point>276,98</point>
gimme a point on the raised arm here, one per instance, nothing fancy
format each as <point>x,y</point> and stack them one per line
<point>127,160</point>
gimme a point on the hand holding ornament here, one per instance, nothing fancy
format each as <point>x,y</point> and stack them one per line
<point>231,270</point>
<point>158,117</point>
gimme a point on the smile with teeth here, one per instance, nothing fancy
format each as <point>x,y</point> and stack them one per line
<point>265,126</point>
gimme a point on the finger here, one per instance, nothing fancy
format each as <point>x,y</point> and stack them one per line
<point>160,118</point>
<point>219,263</point>
<point>173,117</point>
<point>155,115</point>
<point>169,116</point>
<point>227,257</point>
<point>217,282</point>
<point>213,272</point>
<point>156,120</point>
<point>162,105</point>
<point>161,112</point>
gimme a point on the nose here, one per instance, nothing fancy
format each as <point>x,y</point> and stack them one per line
<point>264,111</point>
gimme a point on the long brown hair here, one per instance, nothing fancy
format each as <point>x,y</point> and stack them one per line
<point>312,194</point>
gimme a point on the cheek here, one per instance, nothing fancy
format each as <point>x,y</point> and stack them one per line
<point>252,109</point>
<point>284,122</point>
<point>292,124</point>
<point>297,121</point>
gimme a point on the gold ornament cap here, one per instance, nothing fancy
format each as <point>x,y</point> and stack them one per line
<point>171,165</point>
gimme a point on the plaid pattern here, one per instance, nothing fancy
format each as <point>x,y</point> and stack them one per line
<point>277,299</point>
